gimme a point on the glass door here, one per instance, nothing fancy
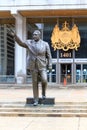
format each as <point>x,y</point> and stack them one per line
<point>84,72</point>
<point>78,73</point>
<point>81,73</point>
<point>66,73</point>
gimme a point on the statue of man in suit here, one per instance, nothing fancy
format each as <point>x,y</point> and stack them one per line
<point>39,58</point>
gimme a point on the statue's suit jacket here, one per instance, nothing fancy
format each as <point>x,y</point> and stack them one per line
<point>38,54</point>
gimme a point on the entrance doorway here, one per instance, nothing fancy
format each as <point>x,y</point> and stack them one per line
<point>66,73</point>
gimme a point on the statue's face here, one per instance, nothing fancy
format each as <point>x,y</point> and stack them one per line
<point>36,37</point>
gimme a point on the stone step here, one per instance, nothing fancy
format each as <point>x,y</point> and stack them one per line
<point>47,109</point>
<point>60,109</point>
<point>17,114</point>
<point>60,114</point>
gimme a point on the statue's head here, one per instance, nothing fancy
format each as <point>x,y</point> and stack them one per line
<point>37,32</point>
<point>36,35</point>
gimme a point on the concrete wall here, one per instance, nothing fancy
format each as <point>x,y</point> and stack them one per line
<point>42,4</point>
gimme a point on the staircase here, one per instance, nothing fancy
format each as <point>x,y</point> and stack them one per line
<point>60,109</point>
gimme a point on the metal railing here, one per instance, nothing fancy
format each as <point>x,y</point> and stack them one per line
<point>7,79</point>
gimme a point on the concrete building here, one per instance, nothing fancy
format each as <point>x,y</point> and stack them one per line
<point>28,15</point>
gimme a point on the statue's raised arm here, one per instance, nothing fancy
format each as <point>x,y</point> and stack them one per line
<point>17,39</point>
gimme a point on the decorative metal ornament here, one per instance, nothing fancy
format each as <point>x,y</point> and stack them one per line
<point>65,38</point>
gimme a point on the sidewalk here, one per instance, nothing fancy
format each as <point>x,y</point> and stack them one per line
<point>43,123</point>
<point>62,94</point>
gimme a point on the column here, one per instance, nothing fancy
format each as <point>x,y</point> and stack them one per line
<point>20,52</point>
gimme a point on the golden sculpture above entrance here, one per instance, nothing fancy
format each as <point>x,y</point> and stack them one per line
<point>65,38</point>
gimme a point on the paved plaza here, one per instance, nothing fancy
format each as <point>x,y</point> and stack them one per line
<point>43,123</point>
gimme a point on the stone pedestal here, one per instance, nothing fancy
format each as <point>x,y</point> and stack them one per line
<point>46,101</point>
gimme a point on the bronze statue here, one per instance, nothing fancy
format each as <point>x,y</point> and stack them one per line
<point>39,59</point>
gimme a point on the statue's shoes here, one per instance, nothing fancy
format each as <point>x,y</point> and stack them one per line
<point>35,103</point>
<point>43,97</point>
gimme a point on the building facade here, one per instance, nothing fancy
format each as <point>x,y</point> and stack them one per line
<point>24,18</point>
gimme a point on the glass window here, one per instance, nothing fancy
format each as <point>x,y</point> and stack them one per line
<point>47,32</point>
<point>7,51</point>
<point>82,50</point>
